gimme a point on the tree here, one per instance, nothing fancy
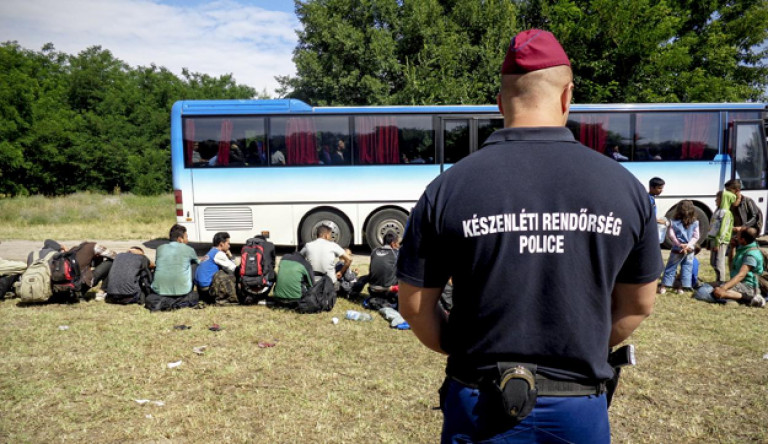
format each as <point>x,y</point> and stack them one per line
<point>450,51</point>
<point>663,51</point>
<point>394,51</point>
<point>89,121</point>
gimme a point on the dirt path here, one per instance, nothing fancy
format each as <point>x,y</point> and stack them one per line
<point>18,250</point>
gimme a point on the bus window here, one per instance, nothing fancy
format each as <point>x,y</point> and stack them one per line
<point>305,140</point>
<point>455,139</point>
<point>333,141</point>
<point>486,127</point>
<point>677,136</point>
<point>606,133</point>
<point>377,140</point>
<point>222,142</point>
<point>387,139</point>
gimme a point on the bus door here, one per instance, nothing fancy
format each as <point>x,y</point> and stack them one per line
<point>461,136</point>
<point>750,161</point>
<point>456,135</point>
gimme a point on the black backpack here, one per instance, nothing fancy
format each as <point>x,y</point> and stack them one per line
<point>65,272</point>
<point>320,297</point>
<point>257,263</point>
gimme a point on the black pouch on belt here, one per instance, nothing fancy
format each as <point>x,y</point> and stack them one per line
<point>517,387</point>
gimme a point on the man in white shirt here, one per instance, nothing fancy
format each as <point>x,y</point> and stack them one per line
<point>322,254</point>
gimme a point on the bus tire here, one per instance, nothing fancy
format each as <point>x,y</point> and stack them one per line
<point>340,231</point>
<point>382,222</point>
<point>703,219</point>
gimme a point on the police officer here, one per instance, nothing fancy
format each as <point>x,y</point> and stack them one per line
<point>554,257</point>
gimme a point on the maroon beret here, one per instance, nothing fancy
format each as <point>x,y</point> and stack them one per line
<point>533,50</point>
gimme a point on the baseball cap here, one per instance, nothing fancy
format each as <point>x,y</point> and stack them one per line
<point>533,50</point>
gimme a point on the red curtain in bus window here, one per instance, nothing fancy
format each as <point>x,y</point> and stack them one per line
<point>592,131</point>
<point>300,142</point>
<point>377,140</point>
<point>189,140</point>
<point>695,128</point>
<point>224,143</point>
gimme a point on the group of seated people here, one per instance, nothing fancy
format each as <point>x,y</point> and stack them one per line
<point>179,278</point>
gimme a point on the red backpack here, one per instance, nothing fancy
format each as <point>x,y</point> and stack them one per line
<point>252,273</point>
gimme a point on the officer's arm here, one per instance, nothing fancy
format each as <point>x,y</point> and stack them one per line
<point>631,304</point>
<point>420,308</point>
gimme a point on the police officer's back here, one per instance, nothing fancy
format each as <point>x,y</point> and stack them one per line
<point>538,232</point>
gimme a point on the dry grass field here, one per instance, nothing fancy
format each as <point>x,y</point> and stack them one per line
<point>702,376</point>
<point>86,216</point>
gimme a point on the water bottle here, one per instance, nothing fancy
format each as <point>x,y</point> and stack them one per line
<point>354,315</point>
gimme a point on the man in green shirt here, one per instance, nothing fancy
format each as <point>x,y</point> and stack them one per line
<point>293,279</point>
<point>173,272</point>
<point>746,265</point>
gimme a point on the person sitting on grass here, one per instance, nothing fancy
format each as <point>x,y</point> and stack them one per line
<point>382,277</point>
<point>294,279</point>
<point>684,233</point>
<point>129,279</point>
<point>215,276</point>
<point>172,285</point>
<point>746,264</point>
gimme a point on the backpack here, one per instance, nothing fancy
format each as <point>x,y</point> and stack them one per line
<point>257,264</point>
<point>65,272</point>
<point>320,297</point>
<point>35,282</point>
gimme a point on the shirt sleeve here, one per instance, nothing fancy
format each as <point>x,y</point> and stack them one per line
<point>644,262</point>
<point>222,260</point>
<point>696,235</point>
<point>750,261</point>
<point>420,260</point>
<point>192,255</point>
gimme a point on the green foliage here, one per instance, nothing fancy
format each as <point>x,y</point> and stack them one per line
<point>90,122</point>
<point>660,51</point>
<point>450,51</point>
<point>399,52</point>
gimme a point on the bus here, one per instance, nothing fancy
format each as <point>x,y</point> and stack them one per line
<point>282,168</point>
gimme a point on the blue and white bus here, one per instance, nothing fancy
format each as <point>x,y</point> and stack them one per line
<point>282,167</point>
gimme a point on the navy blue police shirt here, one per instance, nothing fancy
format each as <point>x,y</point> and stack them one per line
<point>535,230</point>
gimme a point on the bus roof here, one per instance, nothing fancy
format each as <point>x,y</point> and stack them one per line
<point>293,106</point>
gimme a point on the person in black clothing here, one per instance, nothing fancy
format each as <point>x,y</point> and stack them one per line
<point>552,265</point>
<point>745,212</point>
<point>382,275</point>
<point>129,278</point>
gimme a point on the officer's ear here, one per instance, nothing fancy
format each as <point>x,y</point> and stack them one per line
<point>565,101</point>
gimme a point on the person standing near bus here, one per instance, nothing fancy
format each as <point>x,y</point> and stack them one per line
<point>655,188</point>
<point>545,281</point>
<point>720,232</point>
<point>745,212</point>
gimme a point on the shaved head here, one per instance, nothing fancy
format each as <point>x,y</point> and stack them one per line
<point>537,98</point>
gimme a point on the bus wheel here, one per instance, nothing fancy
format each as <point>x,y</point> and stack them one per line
<point>383,222</point>
<point>340,231</point>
